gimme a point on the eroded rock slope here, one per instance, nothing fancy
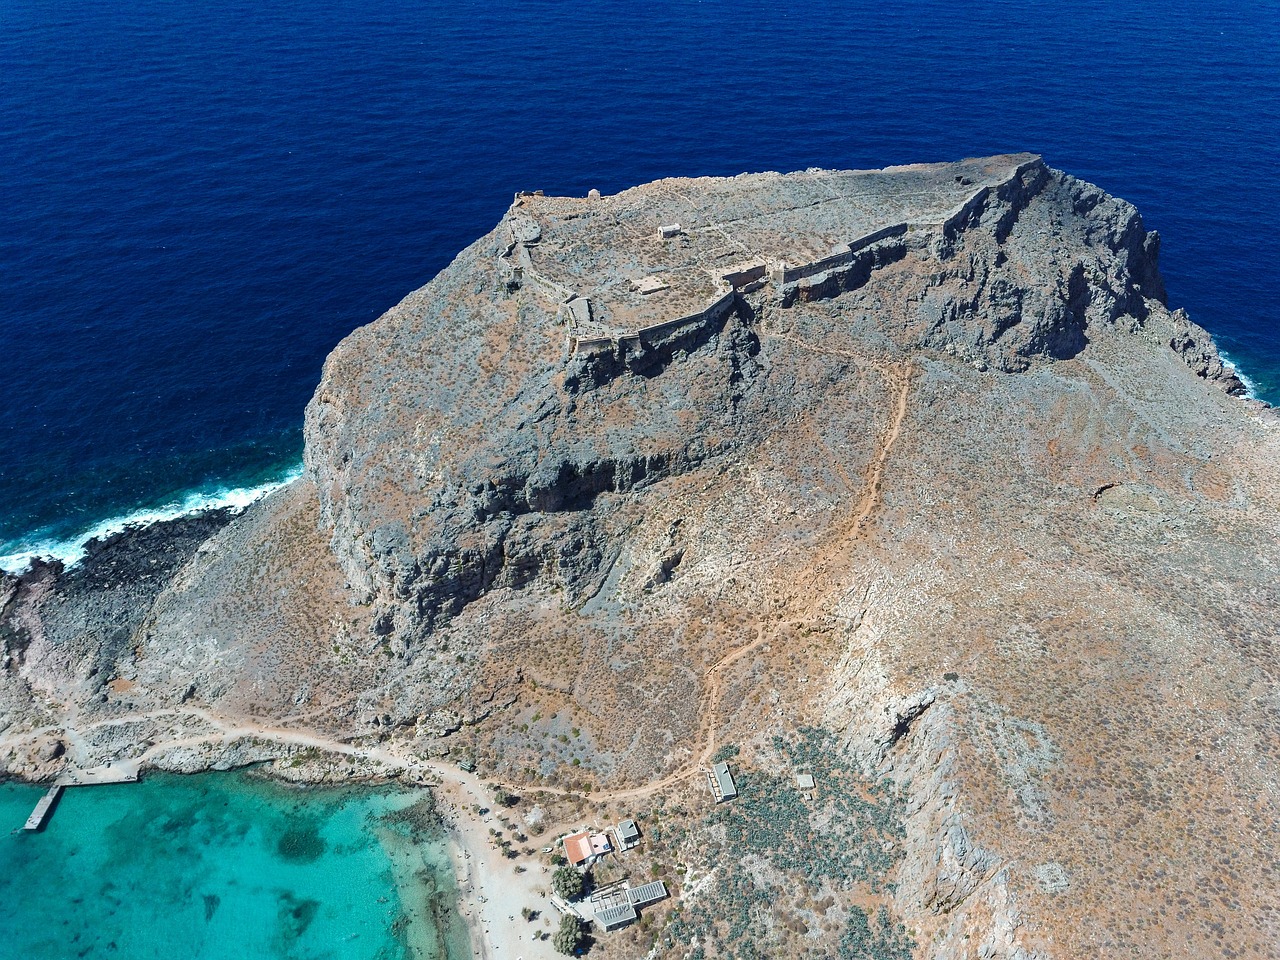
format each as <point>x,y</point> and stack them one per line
<point>917,455</point>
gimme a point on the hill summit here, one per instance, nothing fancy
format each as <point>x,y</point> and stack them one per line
<point>906,483</point>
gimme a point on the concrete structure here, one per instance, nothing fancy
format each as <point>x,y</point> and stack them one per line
<point>611,906</point>
<point>721,781</point>
<point>113,772</point>
<point>628,834</point>
<point>44,807</point>
<point>804,781</point>
<point>617,904</point>
<point>125,771</point>
<point>610,918</point>
<point>647,893</point>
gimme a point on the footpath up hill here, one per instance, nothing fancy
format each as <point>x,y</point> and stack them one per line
<point>906,477</point>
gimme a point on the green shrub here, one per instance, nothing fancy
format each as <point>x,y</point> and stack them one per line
<point>567,882</point>
<point>569,937</point>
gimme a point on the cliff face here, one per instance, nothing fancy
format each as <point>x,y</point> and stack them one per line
<point>455,448</point>
<point>918,456</point>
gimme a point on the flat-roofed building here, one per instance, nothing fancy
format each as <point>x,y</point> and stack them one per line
<point>617,904</point>
<point>647,893</point>
<point>628,834</point>
<point>721,780</point>
<point>613,917</point>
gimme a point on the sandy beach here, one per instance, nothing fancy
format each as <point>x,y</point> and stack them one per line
<point>492,893</point>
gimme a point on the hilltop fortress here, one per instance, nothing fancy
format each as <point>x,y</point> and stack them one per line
<point>626,291</point>
<point>903,493</point>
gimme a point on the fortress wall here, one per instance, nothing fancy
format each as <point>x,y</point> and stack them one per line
<point>843,270</point>
<point>792,274</point>
<point>517,258</point>
<point>849,276</point>
<point>549,287</point>
<point>715,311</point>
<point>575,311</point>
<point>658,334</point>
<point>592,344</point>
<point>964,215</point>
<point>741,279</point>
<point>839,258</point>
<point>897,230</point>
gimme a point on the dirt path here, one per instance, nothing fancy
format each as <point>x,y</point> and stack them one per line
<point>803,600</point>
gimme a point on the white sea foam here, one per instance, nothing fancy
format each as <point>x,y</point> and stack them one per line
<point>72,550</point>
<point>1250,387</point>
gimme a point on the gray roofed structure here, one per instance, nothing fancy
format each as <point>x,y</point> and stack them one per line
<point>628,832</point>
<point>648,893</point>
<point>611,917</point>
<point>722,782</point>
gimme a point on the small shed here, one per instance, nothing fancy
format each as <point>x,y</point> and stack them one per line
<point>722,785</point>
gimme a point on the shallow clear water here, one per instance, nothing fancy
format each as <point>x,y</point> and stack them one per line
<point>224,867</point>
<point>202,198</point>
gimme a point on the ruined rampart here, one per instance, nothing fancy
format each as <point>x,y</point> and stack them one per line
<point>847,267</point>
<point>656,334</point>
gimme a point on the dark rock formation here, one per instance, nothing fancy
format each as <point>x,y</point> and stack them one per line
<point>81,621</point>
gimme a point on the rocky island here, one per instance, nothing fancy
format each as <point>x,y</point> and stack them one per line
<point>903,493</point>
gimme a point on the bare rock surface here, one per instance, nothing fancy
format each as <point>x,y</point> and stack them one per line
<point>917,457</point>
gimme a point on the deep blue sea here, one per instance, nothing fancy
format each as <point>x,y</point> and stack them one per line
<point>199,199</point>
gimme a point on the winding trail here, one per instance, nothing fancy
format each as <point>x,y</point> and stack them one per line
<point>805,596</point>
<point>494,890</point>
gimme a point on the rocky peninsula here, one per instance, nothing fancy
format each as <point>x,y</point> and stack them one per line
<point>903,491</point>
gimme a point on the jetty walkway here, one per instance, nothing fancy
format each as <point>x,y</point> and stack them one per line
<point>124,772</point>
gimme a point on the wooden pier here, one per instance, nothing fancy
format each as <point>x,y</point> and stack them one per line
<point>45,807</point>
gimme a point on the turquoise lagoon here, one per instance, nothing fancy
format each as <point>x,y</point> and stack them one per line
<point>227,865</point>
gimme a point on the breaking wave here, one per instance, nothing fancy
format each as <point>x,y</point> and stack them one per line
<point>18,554</point>
<point>1251,388</point>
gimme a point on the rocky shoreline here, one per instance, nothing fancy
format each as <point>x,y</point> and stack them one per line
<point>917,457</point>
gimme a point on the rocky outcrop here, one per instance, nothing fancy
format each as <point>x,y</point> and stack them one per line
<point>918,455</point>
<point>61,627</point>
<point>1196,348</point>
<point>516,481</point>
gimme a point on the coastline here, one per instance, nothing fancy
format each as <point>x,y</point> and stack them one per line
<point>491,894</point>
<point>489,890</point>
<point>1252,390</point>
<point>69,551</point>
<point>254,849</point>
